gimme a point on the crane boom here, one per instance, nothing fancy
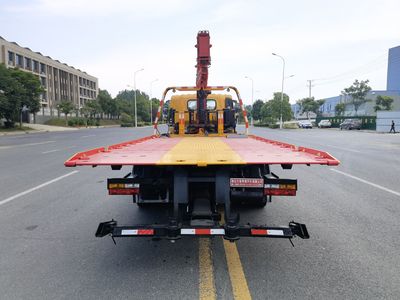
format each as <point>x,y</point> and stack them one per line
<point>203,62</point>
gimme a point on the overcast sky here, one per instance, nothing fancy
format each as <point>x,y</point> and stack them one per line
<point>332,42</point>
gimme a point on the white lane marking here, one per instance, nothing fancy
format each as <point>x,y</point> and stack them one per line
<point>23,145</point>
<point>367,182</point>
<point>345,149</point>
<point>50,151</point>
<point>86,136</point>
<point>36,187</point>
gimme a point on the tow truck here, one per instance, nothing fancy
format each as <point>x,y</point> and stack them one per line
<point>201,166</point>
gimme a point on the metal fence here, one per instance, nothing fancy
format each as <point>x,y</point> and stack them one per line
<point>368,122</point>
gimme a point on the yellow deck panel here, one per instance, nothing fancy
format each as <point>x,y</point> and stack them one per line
<point>201,151</point>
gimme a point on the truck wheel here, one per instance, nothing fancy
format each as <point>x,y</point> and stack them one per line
<point>261,203</point>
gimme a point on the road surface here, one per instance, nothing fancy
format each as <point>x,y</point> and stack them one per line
<point>49,213</point>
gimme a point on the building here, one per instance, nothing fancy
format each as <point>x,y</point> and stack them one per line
<point>393,73</point>
<point>367,109</point>
<point>60,81</point>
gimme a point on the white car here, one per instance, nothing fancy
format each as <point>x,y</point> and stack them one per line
<point>305,124</point>
<point>324,124</point>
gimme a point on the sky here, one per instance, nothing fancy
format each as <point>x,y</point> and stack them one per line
<point>330,42</point>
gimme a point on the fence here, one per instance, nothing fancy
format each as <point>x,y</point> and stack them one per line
<point>368,122</point>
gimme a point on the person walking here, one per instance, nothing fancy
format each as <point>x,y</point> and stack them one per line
<point>392,128</point>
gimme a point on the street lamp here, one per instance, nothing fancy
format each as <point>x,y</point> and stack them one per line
<point>252,98</point>
<point>134,86</point>
<point>151,102</point>
<point>283,80</point>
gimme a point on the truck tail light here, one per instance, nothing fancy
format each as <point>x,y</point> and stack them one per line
<point>280,187</point>
<point>122,186</point>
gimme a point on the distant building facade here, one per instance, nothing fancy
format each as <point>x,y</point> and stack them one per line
<point>393,72</point>
<point>60,81</point>
<point>367,109</point>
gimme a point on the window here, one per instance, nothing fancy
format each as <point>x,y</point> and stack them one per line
<point>11,57</point>
<point>192,104</point>
<point>42,68</point>
<point>19,60</point>
<point>211,104</point>
<point>36,66</point>
<point>28,63</point>
<point>43,81</point>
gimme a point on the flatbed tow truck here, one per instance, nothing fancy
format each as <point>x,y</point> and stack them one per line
<point>201,166</point>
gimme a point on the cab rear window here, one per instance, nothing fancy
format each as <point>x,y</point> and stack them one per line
<point>211,104</point>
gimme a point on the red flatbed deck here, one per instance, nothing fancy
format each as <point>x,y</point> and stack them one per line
<point>201,151</point>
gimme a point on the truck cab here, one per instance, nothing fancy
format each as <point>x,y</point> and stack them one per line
<point>182,109</point>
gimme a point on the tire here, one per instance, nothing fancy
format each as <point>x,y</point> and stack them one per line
<point>261,204</point>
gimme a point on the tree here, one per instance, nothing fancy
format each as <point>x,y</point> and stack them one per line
<point>340,108</point>
<point>257,106</point>
<point>10,99</point>
<point>358,92</point>
<point>249,111</point>
<point>383,103</point>
<point>31,90</point>
<point>309,104</point>
<point>106,102</point>
<point>19,90</point>
<point>125,101</point>
<point>66,107</point>
<point>271,110</point>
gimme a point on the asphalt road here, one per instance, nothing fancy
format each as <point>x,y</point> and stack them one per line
<point>49,213</point>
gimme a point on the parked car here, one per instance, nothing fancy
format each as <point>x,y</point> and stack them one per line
<point>324,124</point>
<point>305,124</point>
<point>350,124</point>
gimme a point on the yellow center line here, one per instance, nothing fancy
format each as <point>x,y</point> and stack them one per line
<point>240,288</point>
<point>206,283</point>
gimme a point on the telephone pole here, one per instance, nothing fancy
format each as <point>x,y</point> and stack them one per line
<point>309,87</point>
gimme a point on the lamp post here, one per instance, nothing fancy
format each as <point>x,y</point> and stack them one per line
<point>283,80</point>
<point>252,98</point>
<point>134,86</point>
<point>151,102</point>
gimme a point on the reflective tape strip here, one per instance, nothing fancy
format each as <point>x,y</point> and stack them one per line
<point>137,232</point>
<point>274,232</point>
<point>188,231</point>
<point>202,231</point>
<point>218,231</point>
<point>129,232</point>
<point>266,232</point>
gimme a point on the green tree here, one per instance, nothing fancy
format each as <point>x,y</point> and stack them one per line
<point>66,107</point>
<point>309,104</point>
<point>383,103</point>
<point>31,91</point>
<point>340,108</point>
<point>106,102</point>
<point>125,100</point>
<point>272,109</point>
<point>10,101</point>
<point>257,106</point>
<point>249,112</point>
<point>19,90</point>
<point>155,103</point>
<point>358,93</point>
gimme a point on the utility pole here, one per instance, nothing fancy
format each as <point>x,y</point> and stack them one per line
<point>309,87</point>
<point>134,86</point>
<point>283,80</point>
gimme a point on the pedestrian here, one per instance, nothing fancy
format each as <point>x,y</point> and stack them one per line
<point>392,128</point>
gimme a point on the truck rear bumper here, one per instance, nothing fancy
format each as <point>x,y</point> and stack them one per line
<point>175,231</point>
